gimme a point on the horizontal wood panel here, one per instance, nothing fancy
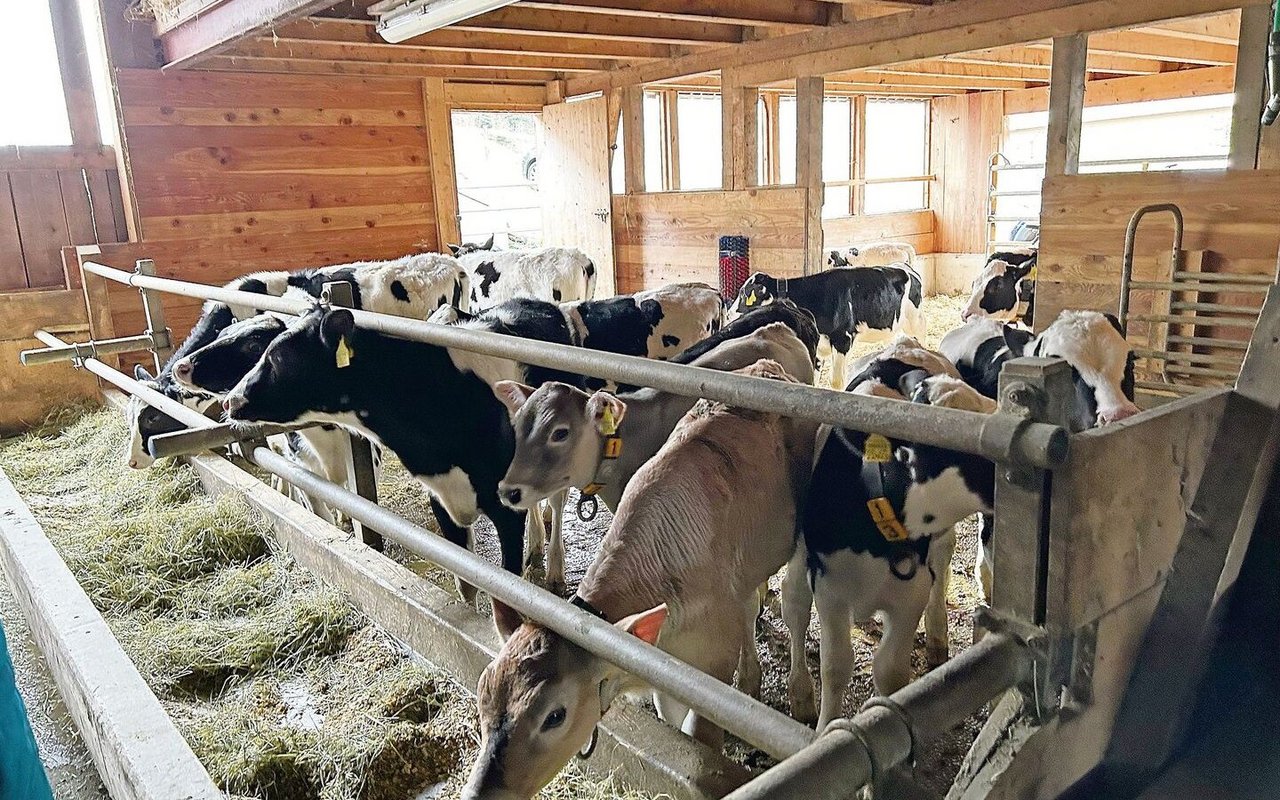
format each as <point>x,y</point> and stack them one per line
<point>168,194</point>
<point>288,222</point>
<point>913,227</point>
<point>674,236</point>
<point>140,87</point>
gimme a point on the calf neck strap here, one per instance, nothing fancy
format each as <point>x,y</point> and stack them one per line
<point>886,483</point>
<point>588,504</point>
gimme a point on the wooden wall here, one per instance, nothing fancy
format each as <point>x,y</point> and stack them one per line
<point>667,237</point>
<point>965,131</point>
<point>49,201</point>
<point>1236,215</point>
<point>916,228</point>
<point>29,392</point>
<point>237,172</point>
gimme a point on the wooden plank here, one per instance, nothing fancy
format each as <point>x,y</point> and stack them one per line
<point>809,93</point>
<point>762,13</point>
<point>41,225</point>
<point>1133,89</point>
<point>633,140</point>
<point>21,313</point>
<point>13,273</point>
<point>923,33</point>
<point>211,90</point>
<point>1251,91</point>
<point>137,749</point>
<point>595,26</point>
<point>1146,45</point>
<point>103,203</point>
<point>864,228</point>
<point>739,137</point>
<point>221,26</point>
<point>283,223</point>
<point>73,69</point>
<point>17,159</point>
<point>444,177</point>
<point>1066,105</point>
<point>165,194</point>
<point>78,211</point>
<point>964,132</point>
<point>495,97</point>
<point>377,54</point>
<point>634,746</point>
<point>119,206</point>
<point>334,68</point>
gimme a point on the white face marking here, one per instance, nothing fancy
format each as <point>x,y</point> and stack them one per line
<point>945,499</point>
<point>993,269</point>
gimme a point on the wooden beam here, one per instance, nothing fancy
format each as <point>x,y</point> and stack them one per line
<point>196,39</point>
<point>928,81</point>
<point>1251,92</point>
<point>919,34</point>
<point>762,13</point>
<point>73,68</point>
<point>373,54</point>
<point>1032,58</point>
<point>670,139</point>
<point>633,139</point>
<point>1133,89</point>
<point>494,97</point>
<point>1066,105</point>
<point>809,96</point>
<point>739,134</point>
<point>1219,28</point>
<point>957,69</point>
<point>512,42</point>
<point>298,66</point>
<point>444,178</point>
<point>533,22</point>
<point>1148,45</point>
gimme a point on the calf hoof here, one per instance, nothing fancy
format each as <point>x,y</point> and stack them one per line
<point>467,592</point>
<point>557,586</point>
<point>804,708</point>
<point>749,682</point>
<point>936,653</point>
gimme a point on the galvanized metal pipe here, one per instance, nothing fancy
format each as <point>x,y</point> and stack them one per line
<point>851,753</point>
<point>1000,437</point>
<point>181,443</point>
<point>749,719</point>
<point>91,349</point>
<point>1130,240</point>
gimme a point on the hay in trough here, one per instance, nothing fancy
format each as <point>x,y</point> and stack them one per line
<point>282,689</point>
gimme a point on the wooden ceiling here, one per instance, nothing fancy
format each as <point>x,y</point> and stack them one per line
<point>538,42</point>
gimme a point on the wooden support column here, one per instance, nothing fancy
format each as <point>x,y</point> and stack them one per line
<point>809,93</point>
<point>1251,87</point>
<point>613,121</point>
<point>633,139</point>
<point>739,132</point>
<point>1066,105</point>
<point>671,139</point>
<point>73,67</point>
<point>858,169</point>
<point>444,177</point>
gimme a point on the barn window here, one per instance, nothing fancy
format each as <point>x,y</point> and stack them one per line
<point>837,156</point>
<point>897,146</point>
<point>35,110</point>
<point>698,115</point>
<point>496,157</point>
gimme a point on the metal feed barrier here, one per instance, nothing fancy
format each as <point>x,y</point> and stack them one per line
<point>850,753</point>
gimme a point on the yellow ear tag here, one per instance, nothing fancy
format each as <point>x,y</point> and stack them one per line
<point>751,299</point>
<point>608,425</point>
<point>1031,276</point>
<point>344,353</point>
<point>877,449</point>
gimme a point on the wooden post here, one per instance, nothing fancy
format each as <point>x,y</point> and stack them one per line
<point>809,94</point>
<point>1220,520</point>
<point>1251,87</point>
<point>444,176</point>
<point>73,67</point>
<point>670,139</point>
<point>613,122</point>
<point>739,133</point>
<point>858,197</point>
<point>773,144</point>
<point>362,476</point>
<point>1037,388</point>
<point>633,139</point>
<point>1066,105</point>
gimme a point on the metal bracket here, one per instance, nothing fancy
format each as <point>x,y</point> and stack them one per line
<point>153,310</point>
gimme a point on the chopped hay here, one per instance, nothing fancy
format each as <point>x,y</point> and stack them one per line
<point>282,689</point>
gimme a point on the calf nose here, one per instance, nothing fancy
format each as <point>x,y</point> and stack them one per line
<point>234,403</point>
<point>182,369</point>
<point>1117,413</point>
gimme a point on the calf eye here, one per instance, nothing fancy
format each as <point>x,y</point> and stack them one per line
<point>554,720</point>
<point>928,519</point>
<point>559,434</point>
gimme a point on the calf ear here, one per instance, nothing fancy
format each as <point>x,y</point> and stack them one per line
<point>505,618</point>
<point>1017,339</point>
<point>454,248</point>
<point>646,625</point>
<point>335,325</point>
<point>140,373</point>
<point>512,394</point>
<point>602,404</point>
<point>1115,322</point>
<point>488,243</point>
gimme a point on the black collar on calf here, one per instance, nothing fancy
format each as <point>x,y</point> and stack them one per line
<point>886,483</point>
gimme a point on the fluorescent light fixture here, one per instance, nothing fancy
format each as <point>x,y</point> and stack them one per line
<point>398,21</point>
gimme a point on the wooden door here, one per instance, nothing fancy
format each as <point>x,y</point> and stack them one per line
<point>573,181</point>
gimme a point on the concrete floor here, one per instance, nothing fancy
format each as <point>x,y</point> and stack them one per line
<point>66,760</point>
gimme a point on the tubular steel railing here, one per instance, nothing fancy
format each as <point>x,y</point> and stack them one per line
<point>880,737</point>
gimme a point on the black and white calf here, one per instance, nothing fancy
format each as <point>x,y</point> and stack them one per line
<point>876,254</point>
<point>1005,290</point>
<point>877,533</point>
<point>870,302</point>
<point>554,274</point>
<point>432,406</point>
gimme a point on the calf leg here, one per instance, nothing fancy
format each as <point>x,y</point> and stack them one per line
<point>891,666</point>
<point>534,539</point>
<point>837,650</point>
<point>797,600</point>
<point>985,566</point>
<point>937,638</point>
<point>749,673</point>
<point>555,551</point>
<point>459,535</point>
<point>670,710</point>
<point>840,344</point>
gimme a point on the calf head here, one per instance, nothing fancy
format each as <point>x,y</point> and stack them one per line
<point>145,422</point>
<point>302,372</point>
<point>218,366</point>
<point>471,247</point>
<point>1001,290</point>
<point>838,259</point>
<point>559,433</point>
<point>1101,362</point>
<point>539,703</point>
<point>759,290</point>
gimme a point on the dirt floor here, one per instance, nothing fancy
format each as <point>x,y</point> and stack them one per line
<point>939,761</point>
